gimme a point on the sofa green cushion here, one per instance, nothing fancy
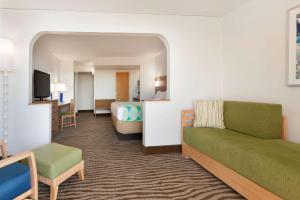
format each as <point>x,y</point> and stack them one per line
<point>274,164</point>
<point>54,159</point>
<point>257,119</point>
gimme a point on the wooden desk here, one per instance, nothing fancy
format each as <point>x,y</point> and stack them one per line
<point>55,116</point>
<point>57,109</point>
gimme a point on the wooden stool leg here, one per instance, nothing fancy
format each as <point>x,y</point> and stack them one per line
<point>81,174</point>
<point>75,120</point>
<point>53,192</point>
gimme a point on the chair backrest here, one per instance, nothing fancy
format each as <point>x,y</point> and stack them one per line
<point>72,106</point>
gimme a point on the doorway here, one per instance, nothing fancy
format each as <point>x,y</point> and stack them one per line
<point>85,91</point>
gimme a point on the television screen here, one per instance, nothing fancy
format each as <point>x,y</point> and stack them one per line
<point>41,84</point>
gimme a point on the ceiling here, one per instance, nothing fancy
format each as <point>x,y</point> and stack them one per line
<point>90,67</point>
<point>88,47</point>
<point>212,8</point>
<point>117,67</point>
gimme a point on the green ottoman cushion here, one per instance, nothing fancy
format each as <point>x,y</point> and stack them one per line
<point>54,159</point>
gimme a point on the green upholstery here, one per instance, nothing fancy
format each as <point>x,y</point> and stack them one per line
<point>54,159</point>
<point>66,113</point>
<point>274,164</point>
<point>256,119</point>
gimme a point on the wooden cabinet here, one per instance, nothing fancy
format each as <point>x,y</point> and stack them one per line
<point>55,118</point>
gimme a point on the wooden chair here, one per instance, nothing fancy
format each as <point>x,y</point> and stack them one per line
<point>3,149</point>
<point>70,115</point>
<point>22,187</point>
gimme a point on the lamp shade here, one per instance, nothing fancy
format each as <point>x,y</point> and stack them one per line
<point>157,83</point>
<point>60,87</point>
<point>52,87</point>
<point>6,54</point>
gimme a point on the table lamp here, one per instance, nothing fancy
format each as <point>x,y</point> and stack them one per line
<point>157,83</point>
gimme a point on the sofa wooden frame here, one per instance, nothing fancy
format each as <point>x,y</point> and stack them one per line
<point>33,192</point>
<point>242,185</point>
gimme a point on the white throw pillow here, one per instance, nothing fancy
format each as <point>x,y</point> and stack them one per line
<point>209,114</point>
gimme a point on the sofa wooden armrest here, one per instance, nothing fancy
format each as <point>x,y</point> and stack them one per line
<point>3,149</point>
<point>284,132</point>
<point>187,120</point>
<point>33,192</point>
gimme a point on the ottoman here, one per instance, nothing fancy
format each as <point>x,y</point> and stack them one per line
<point>56,163</point>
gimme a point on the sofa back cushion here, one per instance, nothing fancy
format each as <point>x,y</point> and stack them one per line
<point>256,119</point>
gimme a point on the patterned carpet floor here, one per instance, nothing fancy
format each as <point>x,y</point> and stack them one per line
<point>119,170</point>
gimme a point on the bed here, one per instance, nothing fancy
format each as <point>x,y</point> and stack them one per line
<point>127,119</point>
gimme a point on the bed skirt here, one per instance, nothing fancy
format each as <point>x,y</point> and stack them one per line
<point>125,127</point>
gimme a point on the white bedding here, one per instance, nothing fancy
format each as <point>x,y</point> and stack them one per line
<point>117,111</point>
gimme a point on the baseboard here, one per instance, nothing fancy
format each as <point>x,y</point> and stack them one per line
<point>102,114</point>
<point>162,149</point>
<point>85,111</point>
<point>135,136</point>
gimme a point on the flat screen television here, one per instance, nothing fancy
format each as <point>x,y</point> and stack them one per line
<point>41,84</point>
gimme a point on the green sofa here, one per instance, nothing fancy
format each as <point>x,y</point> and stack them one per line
<point>251,145</point>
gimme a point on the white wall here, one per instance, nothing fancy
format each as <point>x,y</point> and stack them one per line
<point>76,90</point>
<point>105,83</point>
<point>147,85</point>
<point>66,76</point>
<point>85,97</point>
<point>255,58</point>
<point>1,21</point>
<point>147,71</point>
<point>194,64</point>
<point>1,114</point>
<point>87,67</point>
<point>161,64</point>
<point>45,61</point>
<point>134,76</point>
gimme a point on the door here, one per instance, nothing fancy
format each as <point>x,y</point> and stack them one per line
<point>122,86</point>
<point>85,87</point>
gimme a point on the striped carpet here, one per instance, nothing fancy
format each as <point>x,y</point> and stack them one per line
<point>119,170</point>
